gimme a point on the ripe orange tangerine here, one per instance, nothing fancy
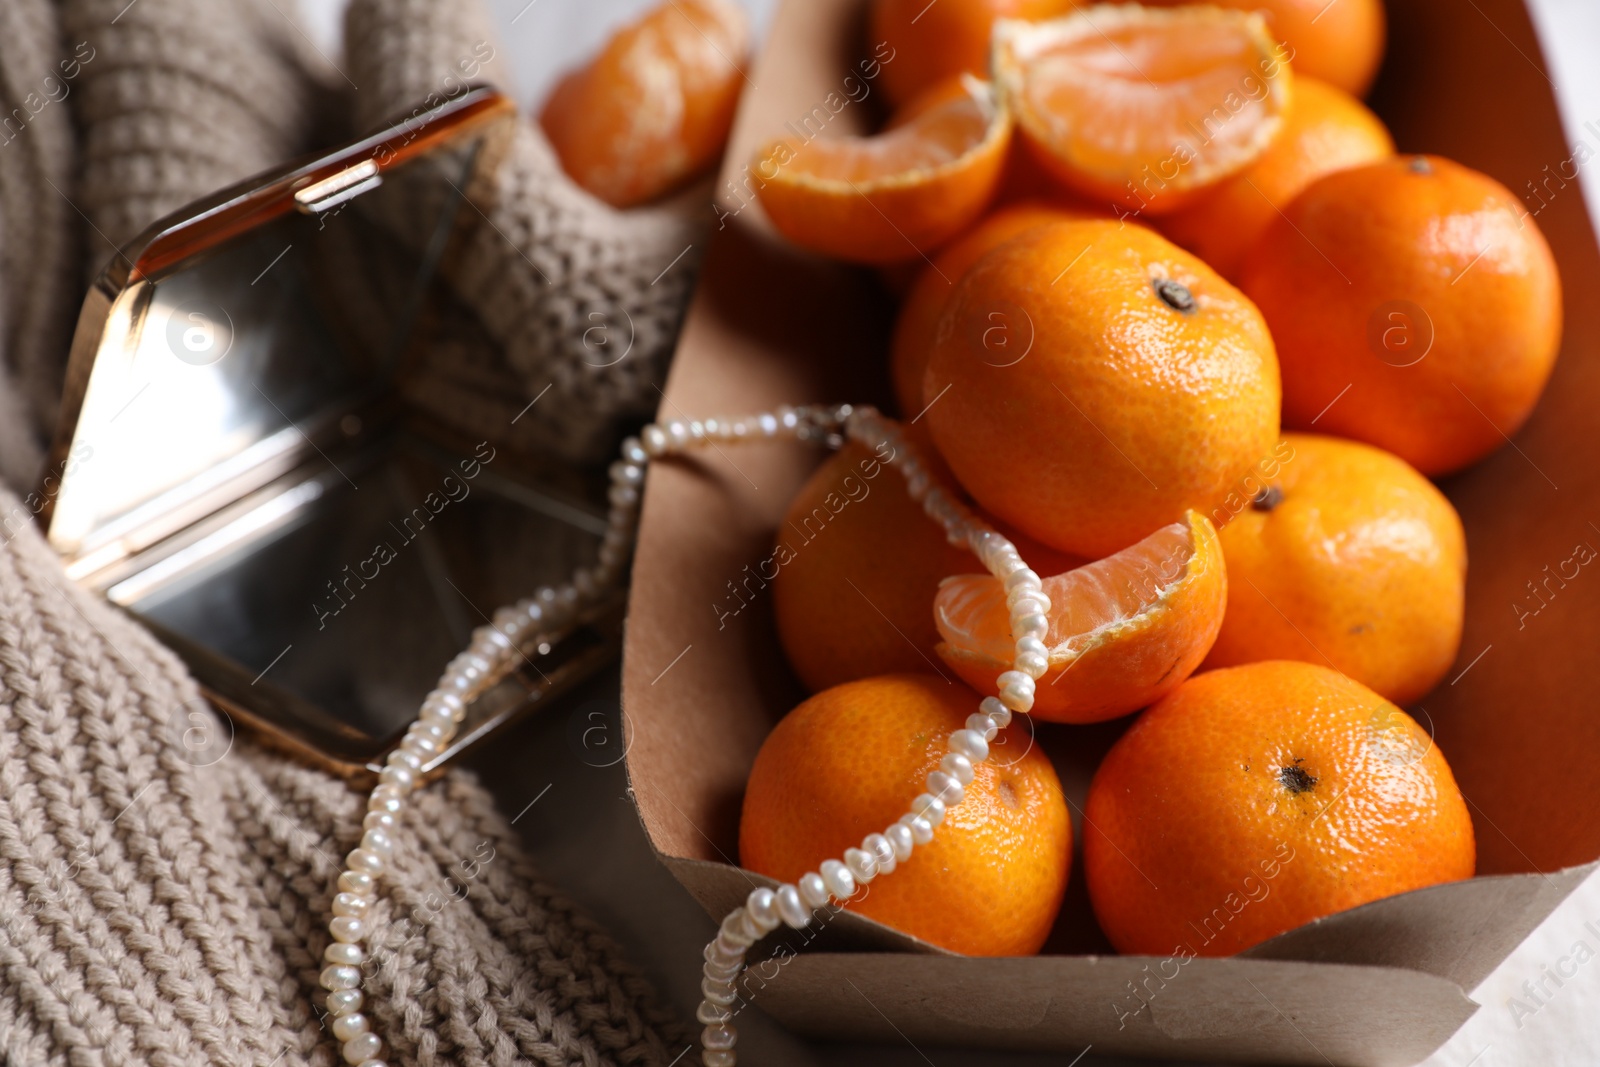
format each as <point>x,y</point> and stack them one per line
<point>1416,306</point>
<point>653,109</point>
<point>849,762</point>
<point>1144,107</point>
<point>892,197</point>
<point>1255,799</point>
<point>1124,631</point>
<point>1094,382</point>
<point>1350,558</point>
<point>919,315</point>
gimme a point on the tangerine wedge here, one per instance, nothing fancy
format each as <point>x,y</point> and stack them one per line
<point>1144,106</point>
<point>893,197</point>
<point>1124,631</point>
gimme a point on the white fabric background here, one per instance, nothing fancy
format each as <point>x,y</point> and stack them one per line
<point>544,37</point>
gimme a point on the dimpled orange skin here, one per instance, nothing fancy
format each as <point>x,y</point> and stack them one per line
<point>654,108</point>
<point>857,566</point>
<point>1326,130</point>
<point>849,761</point>
<point>1255,799</point>
<point>1350,558</point>
<point>919,314</point>
<point>1341,43</point>
<point>1125,411</point>
<point>1364,262</point>
<point>931,42</point>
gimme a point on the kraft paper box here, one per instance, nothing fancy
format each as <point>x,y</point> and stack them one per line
<point>1518,716</point>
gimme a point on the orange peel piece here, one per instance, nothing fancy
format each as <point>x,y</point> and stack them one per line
<point>895,196</point>
<point>1124,631</point>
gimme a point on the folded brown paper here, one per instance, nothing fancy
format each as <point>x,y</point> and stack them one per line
<point>704,679</point>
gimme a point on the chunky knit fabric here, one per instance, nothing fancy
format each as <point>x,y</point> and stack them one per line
<point>164,885</point>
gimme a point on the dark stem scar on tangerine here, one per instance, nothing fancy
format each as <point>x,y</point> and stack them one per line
<point>1295,778</point>
<point>1267,499</point>
<point>1175,295</point>
<point>1420,165</point>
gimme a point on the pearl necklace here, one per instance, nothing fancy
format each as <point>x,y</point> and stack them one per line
<point>496,648</point>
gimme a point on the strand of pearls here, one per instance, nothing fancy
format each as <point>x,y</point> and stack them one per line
<point>494,651</point>
<point>795,904</point>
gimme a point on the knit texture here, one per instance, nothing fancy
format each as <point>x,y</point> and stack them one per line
<point>582,299</point>
<point>165,885</point>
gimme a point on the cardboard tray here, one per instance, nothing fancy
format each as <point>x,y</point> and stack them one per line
<point>704,679</point>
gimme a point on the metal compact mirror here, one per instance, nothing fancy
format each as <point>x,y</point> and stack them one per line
<point>239,464</point>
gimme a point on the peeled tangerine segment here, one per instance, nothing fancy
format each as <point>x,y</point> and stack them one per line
<point>1145,106</point>
<point>1124,631</point>
<point>893,197</point>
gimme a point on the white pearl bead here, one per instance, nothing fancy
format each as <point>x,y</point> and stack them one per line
<point>362,860</point>
<point>633,450</point>
<point>767,424</point>
<point>408,760</point>
<point>712,1013</point>
<point>882,852</point>
<point>958,766</point>
<point>718,992</point>
<point>360,1048</point>
<point>1034,625</point>
<point>400,777</point>
<point>763,908</point>
<point>718,1058</point>
<point>654,440</point>
<point>1032,664</point>
<point>862,864</point>
<point>350,904</point>
<point>348,1026</point>
<point>996,711</point>
<point>342,953</point>
<point>982,724</point>
<point>340,976</point>
<point>901,840</point>
<point>837,877</point>
<point>378,799</point>
<point>377,841</point>
<point>791,908</point>
<point>718,1037</point>
<point>1016,690</point>
<point>946,788</point>
<point>344,1001</point>
<point>722,972</point>
<point>1028,604</point>
<point>733,930</point>
<point>929,807</point>
<point>379,820</point>
<point>359,883</point>
<point>1026,578</point>
<point>970,744</point>
<point>813,890</point>
<point>1026,645</point>
<point>347,928</point>
<point>717,952</point>
<point>921,829</point>
<point>421,744</point>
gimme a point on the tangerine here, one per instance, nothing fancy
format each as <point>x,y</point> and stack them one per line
<point>1097,382</point>
<point>1255,799</point>
<point>849,761</point>
<point>1415,305</point>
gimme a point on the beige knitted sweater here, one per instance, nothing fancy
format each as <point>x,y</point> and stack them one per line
<point>161,908</point>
